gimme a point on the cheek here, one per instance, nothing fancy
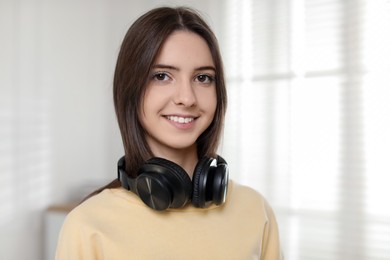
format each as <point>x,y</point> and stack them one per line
<point>209,105</point>
<point>148,102</point>
<point>212,101</point>
<point>144,108</point>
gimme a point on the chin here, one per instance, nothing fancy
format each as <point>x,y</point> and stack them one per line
<point>183,146</point>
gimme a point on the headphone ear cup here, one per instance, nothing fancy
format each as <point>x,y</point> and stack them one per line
<point>200,191</point>
<point>163,184</point>
<point>220,182</point>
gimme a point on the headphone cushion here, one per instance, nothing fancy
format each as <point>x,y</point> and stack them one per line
<point>220,183</point>
<point>199,182</point>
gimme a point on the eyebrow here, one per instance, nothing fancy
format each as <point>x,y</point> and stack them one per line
<point>163,66</point>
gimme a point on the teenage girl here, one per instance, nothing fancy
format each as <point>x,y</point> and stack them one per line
<point>172,198</point>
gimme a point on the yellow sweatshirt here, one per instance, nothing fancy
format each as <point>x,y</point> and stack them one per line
<point>115,224</point>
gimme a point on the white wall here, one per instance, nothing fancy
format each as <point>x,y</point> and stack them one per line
<point>59,134</point>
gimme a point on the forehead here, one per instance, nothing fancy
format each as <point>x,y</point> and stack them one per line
<point>185,48</point>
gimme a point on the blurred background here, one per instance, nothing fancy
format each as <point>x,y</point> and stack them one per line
<point>308,123</point>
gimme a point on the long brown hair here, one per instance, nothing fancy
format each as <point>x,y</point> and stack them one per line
<point>139,49</point>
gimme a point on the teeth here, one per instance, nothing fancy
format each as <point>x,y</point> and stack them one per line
<point>181,120</point>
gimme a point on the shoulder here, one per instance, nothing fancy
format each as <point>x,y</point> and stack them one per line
<point>78,238</point>
<point>245,191</point>
<point>246,199</point>
<point>96,210</point>
<point>84,224</point>
<point>92,204</point>
<point>246,196</point>
<point>82,214</point>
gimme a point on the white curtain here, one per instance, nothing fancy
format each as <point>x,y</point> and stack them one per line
<point>308,123</point>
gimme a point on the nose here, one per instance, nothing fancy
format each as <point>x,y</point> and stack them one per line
<point>184,94</point>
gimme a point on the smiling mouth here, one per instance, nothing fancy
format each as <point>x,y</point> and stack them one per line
<point>180,120</point>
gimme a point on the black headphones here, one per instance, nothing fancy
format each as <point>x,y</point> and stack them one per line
<point>162,184</point>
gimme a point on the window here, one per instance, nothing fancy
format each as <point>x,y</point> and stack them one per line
<point>308,120</point>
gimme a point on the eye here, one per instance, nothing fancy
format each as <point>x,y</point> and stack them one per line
<point>160,76</point>
<point>204,78</point>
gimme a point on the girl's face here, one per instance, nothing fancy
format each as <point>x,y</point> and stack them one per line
<point>180,98</point>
